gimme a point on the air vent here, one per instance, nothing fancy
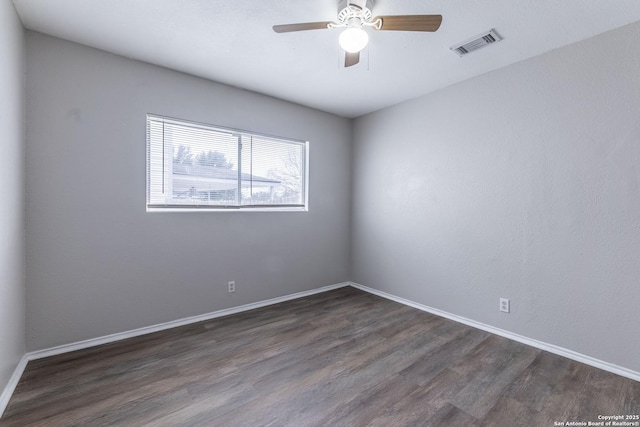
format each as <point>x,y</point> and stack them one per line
<point>476,43</point>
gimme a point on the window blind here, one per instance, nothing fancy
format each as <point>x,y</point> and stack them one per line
<point>198,166</point>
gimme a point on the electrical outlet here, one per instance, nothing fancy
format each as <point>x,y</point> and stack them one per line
<point>231,287</point>
<point>504,305</point>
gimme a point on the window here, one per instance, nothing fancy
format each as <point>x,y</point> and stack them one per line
<point>196,166</point>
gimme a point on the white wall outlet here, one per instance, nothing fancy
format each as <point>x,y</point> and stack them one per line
<point>504,305</point>
<point>231,287</point>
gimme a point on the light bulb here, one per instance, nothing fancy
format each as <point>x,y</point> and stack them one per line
<point>353,39</point>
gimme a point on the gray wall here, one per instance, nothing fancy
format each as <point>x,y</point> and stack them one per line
<point>12,307</point>
<point>522,183</point>
<point>97,263</point>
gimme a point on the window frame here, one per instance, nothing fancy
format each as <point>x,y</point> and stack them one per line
<point>239,133</point>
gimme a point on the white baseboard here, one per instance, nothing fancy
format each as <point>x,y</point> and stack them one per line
<point>570,354</point>
<point>66,348</point>
<point>11,385</point>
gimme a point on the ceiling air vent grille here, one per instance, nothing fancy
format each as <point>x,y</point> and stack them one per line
<point>476,43</point>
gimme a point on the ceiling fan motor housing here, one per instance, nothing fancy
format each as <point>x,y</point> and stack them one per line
<point>350,9</point>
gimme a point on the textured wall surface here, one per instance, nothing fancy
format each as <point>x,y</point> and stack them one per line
<point>12,307</point>
<point>97,263</point>
<point>523,183</point>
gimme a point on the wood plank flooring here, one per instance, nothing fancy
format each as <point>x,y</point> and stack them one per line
<point>340,358</point>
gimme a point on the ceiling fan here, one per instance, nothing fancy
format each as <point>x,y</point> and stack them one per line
<point>354,16</point>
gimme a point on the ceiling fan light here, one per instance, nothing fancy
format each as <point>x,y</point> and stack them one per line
<point>353,39</point>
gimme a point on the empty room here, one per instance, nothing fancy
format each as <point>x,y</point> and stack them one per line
<point>320,213</point>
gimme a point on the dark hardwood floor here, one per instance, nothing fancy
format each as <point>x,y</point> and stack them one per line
<point>340,358</point>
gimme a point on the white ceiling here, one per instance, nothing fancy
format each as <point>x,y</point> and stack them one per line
<point>232,42</point>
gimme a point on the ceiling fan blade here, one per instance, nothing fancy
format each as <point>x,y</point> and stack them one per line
<point>287,28</point>
<point>410,22</point>
<point>351,59</point>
